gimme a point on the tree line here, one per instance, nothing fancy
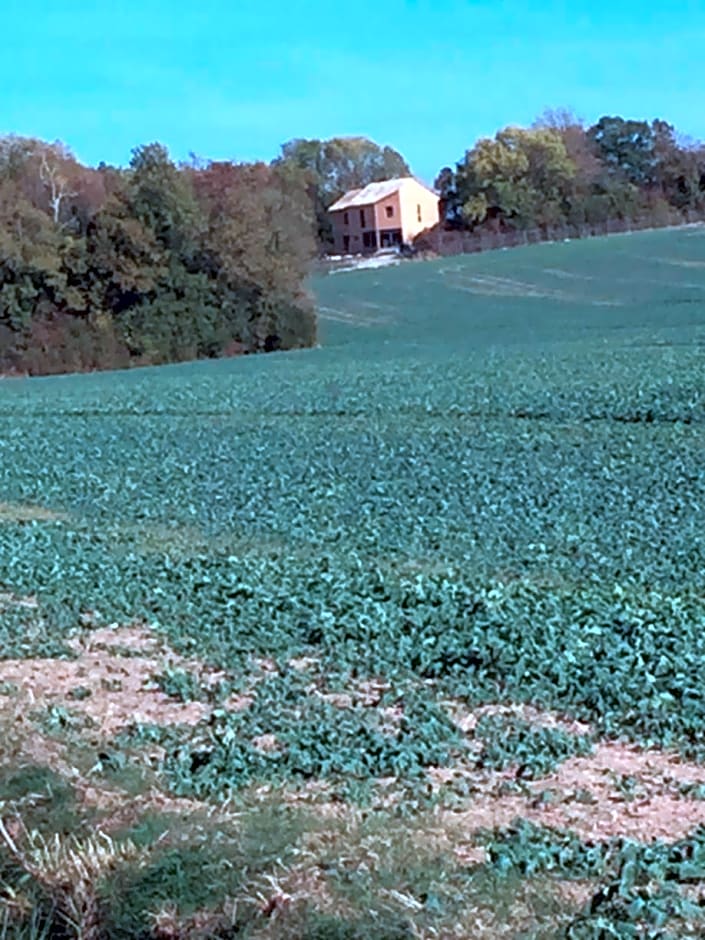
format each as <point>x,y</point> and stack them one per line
<point>559,172</point>
<point>104,267</point>
<point>556,174</point>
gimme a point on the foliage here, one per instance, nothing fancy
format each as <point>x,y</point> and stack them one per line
<point>194,875</point>
<point>45,800</point>
<point>633,149</point>
<point>24,630</point>
<point>560,172</point>
<point>102,268</point>
<point>332,167</point>
<point>466,546</point>
<point>152,880</point>
<point>185,686</point>
<point>306,737</point>
<point>501,502</point>
<point>521,175</point>
<point>638,892</point>
<point>536,750</point>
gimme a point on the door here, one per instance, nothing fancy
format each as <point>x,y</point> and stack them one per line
<point>390,237</point>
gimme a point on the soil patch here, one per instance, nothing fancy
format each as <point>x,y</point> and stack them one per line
<point>21,512</point>
<point>467,720</point>
<point>619,790</point>
<point>111,681</point>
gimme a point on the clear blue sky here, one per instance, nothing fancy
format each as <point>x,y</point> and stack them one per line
<point>236,78</point>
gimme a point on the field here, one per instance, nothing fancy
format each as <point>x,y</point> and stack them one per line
<point>402,636</point>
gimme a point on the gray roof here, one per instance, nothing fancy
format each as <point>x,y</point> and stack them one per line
<point>373,192</point>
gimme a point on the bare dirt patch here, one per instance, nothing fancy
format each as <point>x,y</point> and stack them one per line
<point>635,793</point>
<point>618,791</point>
<point>492,286</point>
<point>683,263</point>
<point>467,720</point>
<point>111,681</point>
<point>353,318</point>
<point>9,600</point>
<point>25,512</point>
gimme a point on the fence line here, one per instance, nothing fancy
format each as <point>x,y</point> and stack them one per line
<point>454,242</point>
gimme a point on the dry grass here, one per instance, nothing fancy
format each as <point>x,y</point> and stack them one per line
<point>69,870</point>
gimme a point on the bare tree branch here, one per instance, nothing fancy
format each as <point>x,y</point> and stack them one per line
<point>57,184</point>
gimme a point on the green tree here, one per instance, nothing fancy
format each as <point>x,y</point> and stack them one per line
<point>596,195</point>
<point>332,167</point>
<point>259,237</point>
<point>520,177</point>
<point>580,148</point>
<point>628,148</point>
<point>161,197</point>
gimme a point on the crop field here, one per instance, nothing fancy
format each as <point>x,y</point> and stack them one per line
<point>398,637</point>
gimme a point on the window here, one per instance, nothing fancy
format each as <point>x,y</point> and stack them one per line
<point>418,212</point>
<point>346,243</point>
<point>362,217</point>
<point>390,211</point>
<point>346,220</point>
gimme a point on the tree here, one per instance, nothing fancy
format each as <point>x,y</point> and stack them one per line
<point>343,163</point>
<point>259,236</point>
<point>627,148</point>
<point>57,183</point>
<point>557,172</point>
<point>332,167</point>
<point>156,263</point>
<point>451,200</point>
<point>30,261</point>
<point>680,167</point>
<point>161,196</point>
<point>581,150</point>
<point>53,181</point>
<point>667,170</point>
<point>520,177</point>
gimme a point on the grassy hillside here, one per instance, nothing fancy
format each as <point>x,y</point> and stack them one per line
<point>449,567</point>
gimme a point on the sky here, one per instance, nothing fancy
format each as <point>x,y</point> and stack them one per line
<point>234,79</point>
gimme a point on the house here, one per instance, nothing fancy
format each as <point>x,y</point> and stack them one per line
<point>382,215</point>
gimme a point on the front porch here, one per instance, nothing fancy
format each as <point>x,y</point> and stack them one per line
<point>375,240</point>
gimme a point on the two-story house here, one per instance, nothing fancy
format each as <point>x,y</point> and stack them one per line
<point>382,215</point>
